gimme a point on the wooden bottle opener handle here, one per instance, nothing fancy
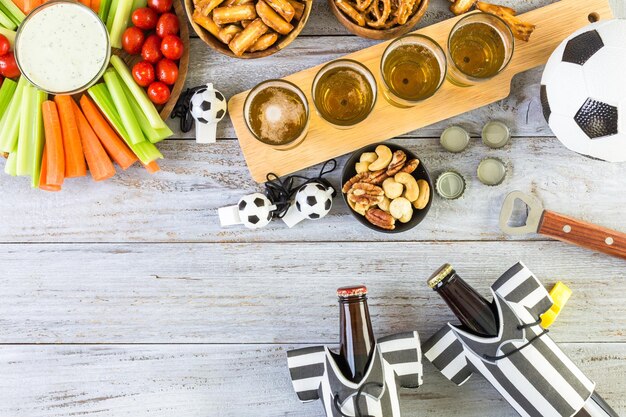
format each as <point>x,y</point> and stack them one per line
<point>587,235</point>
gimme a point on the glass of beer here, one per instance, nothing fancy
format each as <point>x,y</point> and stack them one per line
<point>480,46</point>
<point>344,93</point>
<point>413,68</point>
<point>277,114</point>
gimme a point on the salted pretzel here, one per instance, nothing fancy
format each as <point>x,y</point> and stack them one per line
<point>521,30</point>
<point>379,15</point>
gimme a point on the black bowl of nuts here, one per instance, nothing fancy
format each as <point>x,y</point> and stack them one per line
<point>387,188</point>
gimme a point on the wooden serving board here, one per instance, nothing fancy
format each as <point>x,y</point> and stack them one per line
<point>554,23</point>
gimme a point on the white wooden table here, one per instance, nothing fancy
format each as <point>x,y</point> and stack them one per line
<point>127,299</point>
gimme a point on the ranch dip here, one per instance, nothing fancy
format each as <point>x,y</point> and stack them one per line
<point>62,47</point>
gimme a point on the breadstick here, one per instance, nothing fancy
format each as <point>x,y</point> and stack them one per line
<point>247,37</point>
<point>273,19</point>
<point>206,22</point>
<point>208,6</point>
<point>264,42</point>
<point>232,14</point>
<point>283,8</point>
<point>351,12</point>
<point>298,7</point>
<point>228,33</point>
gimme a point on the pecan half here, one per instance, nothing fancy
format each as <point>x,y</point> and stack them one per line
<point>410,166</point>
<point>397,162</point>
<point>362,177</point>
<point>377,177</point>
<point>365,193</point>
<point>381,219</point>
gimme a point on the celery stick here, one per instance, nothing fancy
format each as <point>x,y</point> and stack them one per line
<point>140,95</point>
<point>145,151</point>
<point>9,34</point>
<point>25,139</point>
<point>38,139</point>
<point>104,10</point>
<point>120,21</point>
<point>6,21</point>
<point>111,14</point>
<point>114,86</point>
<point>9,124</point>
<point>16,14</point>
<point>6,94</point>
<point>152,134</point>
<point>11,164</point>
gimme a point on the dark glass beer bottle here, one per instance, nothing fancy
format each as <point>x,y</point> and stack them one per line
<point>478,315</point>
<point>356,338</point>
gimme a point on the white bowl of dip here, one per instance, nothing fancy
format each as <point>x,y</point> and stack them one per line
<point>62,47</point>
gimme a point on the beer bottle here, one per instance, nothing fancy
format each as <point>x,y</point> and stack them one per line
<point>478,315</point>
<point>357,343</point>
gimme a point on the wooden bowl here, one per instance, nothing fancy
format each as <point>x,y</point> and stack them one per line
<point>379,34</point>
<point>421,173</point>
<point>222,48</point>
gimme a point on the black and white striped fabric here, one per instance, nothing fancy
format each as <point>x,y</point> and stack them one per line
<point>538,380</point>
<point>397,362</point>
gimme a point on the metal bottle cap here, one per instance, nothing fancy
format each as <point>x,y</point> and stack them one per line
<point>496,134</point>
<point>454,139</point>
<point>450,185</point>
<point>439,275</point>
<point>491,171</point>
<point>355,291</point>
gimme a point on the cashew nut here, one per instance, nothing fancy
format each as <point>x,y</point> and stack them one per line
<point>400,207</point>
<point>392,188</point>
<point>368,157</point>
<point>412,189</point>
<point>424,195</point>
<point>384,205</point>
<point>361,167</point>
<point>406,218</point>
<point>384,157</point>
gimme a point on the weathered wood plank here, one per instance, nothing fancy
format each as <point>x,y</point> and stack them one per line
<point>231,380</point>
<point>521,110</point>
<point>180,203</point>
<point>276,293</point>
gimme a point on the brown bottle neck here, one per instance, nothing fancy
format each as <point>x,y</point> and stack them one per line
<point>356,338</point>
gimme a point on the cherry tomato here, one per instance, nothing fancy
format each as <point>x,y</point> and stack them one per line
<point>151,50</point>
<point>132,40</point>
<point>158,92</point>
<point>161,6</point>
<point>5,45</point>
<point>167,71</point>
<point>172,47</point>
<point>167,25</point>
<point>143,73</point>
<point>8,66</point>
<point>145,18</point>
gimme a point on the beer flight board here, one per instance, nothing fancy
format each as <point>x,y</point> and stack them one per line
<point>554,23</point>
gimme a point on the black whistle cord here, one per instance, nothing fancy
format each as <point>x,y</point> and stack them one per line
<point>182,108</point>
<point>519,327</point>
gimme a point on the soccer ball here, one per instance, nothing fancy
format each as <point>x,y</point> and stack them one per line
<point>255,210</point>
<point>314,200</point>
<point>583,91</point>
<point>208,105</point>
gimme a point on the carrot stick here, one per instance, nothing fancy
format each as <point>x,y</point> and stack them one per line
<point>152,167</point>
<point>95,5</point>
<point>116,148</point>
<point>74,157</point>
<point>20,5</point>
<point>29,5</point>
<point>44,174</point>
<point>100,166</point>
<point>54,144</point>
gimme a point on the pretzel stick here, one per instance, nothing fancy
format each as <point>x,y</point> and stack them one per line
<point>351,12</point>
<point>227,33</point>
<point>298,7</point>
<point>272,19</point>
<point>247,37</point>
<point>283,8</point>
<point>264,42</point>
<point>232,14</point>
<point>206,22</point>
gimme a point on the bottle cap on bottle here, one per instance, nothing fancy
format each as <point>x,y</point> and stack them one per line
<point>454,139</point>
<point>496,134</point>
<point>354,291</point>
<point>439,275</point>
<point>491,171</point>
<point>450,185</point>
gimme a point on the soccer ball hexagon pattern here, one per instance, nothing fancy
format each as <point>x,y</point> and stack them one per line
<point>208,106</point>
<point>314,200</point>
<point>583,91</point>
<point>255,210</point>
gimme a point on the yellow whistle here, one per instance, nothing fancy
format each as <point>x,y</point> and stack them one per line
<point>560,293</point>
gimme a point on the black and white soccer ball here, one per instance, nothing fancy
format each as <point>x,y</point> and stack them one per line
<point>255,210</point>
<point>583,91</point>
<point>208,105</point>
<point>314,200</point>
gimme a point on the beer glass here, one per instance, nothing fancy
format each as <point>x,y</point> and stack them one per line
<point>480,46</point>
<point>413,68</point>
<point>277,114</point>
<point>344,93</point>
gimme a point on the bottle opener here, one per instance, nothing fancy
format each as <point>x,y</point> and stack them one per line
<point>561,227</point>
